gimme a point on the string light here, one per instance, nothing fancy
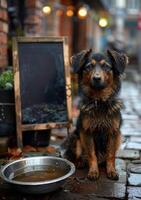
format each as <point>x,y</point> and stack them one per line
<point>70,11</point>
<point>47,10</point>
<point>103,22</point>
<point>82,12</point>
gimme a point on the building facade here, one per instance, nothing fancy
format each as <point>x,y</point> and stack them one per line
<point>3,33</point>
<point>29,18</point>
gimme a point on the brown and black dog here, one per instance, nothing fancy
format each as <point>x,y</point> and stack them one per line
<point>97,135</point>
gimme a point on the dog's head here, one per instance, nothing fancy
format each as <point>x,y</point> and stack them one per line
<point>98,72</point>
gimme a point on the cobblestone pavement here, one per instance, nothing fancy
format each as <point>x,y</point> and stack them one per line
<point>130,150</point>
<point>128,162</point>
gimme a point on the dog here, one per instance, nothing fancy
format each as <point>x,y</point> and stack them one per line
<point>97,136</point>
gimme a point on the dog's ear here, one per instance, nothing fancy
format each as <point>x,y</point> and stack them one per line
<point>118,60</point>
<point>79,60</point>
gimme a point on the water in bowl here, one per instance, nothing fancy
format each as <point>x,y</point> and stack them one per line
<point>40,174</point>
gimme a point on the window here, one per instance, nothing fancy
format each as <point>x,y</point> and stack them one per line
<point>133,4</point>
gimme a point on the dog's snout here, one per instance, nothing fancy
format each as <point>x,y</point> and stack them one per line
<point>97,77</point>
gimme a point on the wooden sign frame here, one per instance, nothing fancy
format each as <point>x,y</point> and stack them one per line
<point>39,126</point>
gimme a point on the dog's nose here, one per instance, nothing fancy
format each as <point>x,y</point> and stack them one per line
<point>97,77</point>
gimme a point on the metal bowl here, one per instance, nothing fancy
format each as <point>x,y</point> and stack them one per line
<point>25,165</point>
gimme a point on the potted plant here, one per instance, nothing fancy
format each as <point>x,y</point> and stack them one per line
<point>7,103</point>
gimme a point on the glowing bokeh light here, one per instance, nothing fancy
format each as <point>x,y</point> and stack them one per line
<point>69,12</point>
<point>82,12</point>
<point>47,10</point>
<point>103,22</point>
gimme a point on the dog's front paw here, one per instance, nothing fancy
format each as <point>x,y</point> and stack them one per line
<point>93,175</point>
<point>113,175</point>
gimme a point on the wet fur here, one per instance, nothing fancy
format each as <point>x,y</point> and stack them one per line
<point>97,135</point>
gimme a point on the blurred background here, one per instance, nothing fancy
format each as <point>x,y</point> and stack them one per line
<point>96,24</point>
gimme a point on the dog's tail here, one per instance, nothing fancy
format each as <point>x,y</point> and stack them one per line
<point>72,146</point>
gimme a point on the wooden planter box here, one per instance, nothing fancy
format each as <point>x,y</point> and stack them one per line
<point>7,113</point>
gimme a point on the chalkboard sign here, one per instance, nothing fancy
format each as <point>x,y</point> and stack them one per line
<point>42,83</point>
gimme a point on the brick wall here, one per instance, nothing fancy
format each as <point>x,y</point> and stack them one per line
<point>33,19</point>
<point>3,33</point>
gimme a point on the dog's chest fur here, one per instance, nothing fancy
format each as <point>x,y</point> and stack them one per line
<point>101,115</point>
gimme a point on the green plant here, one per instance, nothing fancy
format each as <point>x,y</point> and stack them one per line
<point>6,80</point>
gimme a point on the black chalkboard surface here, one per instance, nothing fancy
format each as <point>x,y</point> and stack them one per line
<point>42,86</point>
<point>42,83</point>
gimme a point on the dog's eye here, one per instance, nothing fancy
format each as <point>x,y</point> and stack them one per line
<point>88,67</point>
<point>106,67</point>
